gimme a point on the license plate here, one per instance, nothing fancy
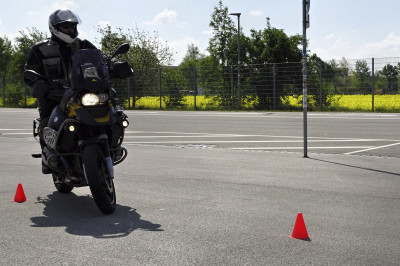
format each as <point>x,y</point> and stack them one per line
<point>50,136</point>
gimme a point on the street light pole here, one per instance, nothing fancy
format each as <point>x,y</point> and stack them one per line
<point>239,96</point>
<point>306,24</point>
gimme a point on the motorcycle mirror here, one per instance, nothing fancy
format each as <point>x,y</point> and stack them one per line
<point>122,49</point>
<point>33,75</point>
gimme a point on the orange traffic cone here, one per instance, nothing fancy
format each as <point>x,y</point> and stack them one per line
<point>299,229</point>
<point>20,195</point>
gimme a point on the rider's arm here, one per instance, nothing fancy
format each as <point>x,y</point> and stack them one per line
<point>33,63</point>
<point>39,87</point>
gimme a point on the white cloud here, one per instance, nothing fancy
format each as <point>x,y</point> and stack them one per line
<point>256,13</point>
<point>166,16</point>
<point>103,23</point>
<point>57,5</point>
<point>350,48</point>
<point>390,46</point>
<point>179,48</point>
<point>335,49</point>
<point>207,32</point>
<point>65,5</point>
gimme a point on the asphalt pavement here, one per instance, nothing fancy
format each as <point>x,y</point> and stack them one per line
<point>209,188</point>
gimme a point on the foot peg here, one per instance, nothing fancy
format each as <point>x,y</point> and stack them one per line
<point>37,155</point>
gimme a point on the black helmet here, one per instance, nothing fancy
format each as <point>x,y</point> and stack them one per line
<point>64,16</point>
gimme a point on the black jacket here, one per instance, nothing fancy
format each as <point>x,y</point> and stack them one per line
<point>52,59</point>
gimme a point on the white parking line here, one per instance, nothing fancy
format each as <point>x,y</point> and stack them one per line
<point>237,141</point>
<point>13,129</point>
<point>206,135</point>
<point>15,133</point>
<point>373,148</point>
<point>299,148</point>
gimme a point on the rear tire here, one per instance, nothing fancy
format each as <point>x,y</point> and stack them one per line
<point>100,183</point>
<point>61,185</point>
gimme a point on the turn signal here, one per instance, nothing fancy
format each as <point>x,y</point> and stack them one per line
<point>125,123</point>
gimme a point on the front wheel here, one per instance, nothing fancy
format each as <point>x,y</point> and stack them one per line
<point>100,183</point>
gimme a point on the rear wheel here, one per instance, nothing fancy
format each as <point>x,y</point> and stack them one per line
<point>60,184</point>
<point>100,182</point>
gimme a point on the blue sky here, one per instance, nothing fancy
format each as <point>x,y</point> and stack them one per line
<point>354,29</point>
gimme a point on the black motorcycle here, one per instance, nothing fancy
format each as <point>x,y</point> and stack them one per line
<point>85,131</point>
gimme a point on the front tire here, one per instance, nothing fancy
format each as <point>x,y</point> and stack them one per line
<point>100,183</point>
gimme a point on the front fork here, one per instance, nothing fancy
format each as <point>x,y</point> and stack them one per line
<point>98,135</point>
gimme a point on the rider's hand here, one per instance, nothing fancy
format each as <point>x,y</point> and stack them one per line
<point>40,89</point>
<point>56,94</point>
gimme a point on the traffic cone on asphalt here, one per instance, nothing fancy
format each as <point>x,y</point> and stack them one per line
<point>20,195</point>
<point>299,229</point>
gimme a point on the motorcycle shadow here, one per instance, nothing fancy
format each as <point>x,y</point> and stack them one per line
<point>80,216</point>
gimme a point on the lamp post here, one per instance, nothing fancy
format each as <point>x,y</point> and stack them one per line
<point>239,96</point>
<point>306,25</point>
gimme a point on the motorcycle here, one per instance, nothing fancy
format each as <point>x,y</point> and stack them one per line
<point>84,134</point>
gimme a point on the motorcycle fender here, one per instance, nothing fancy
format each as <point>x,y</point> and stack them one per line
<point>88,119</point>
<point>103,119</point>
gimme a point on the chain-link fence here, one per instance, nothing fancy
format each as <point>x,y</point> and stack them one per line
<point>349,85</point>
<point>14,92</point>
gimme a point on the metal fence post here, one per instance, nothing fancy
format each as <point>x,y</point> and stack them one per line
<point>129,97</point>
<point>373,84</point>
<point>25,96</point>
<point>4,91</point>
<point>274,86</point>
<point>159,86</point>
<point>232,89</point>
<point>134,94</point>
<point>320,85</point>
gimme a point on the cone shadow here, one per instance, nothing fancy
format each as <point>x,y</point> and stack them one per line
<point>305,239</point>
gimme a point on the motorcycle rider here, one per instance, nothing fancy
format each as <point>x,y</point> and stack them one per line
<point>52,59</point>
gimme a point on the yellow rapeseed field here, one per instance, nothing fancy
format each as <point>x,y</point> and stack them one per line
<point>360,103</point>
<point>382,103</point>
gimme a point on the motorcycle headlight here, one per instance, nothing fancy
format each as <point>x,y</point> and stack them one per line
<point>90,99</point>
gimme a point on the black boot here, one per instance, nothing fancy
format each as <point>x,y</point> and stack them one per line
<point>46,169</point>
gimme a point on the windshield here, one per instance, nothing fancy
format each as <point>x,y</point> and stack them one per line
<point>89,71</point>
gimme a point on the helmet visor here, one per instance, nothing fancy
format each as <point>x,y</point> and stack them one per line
<point>61,16</point>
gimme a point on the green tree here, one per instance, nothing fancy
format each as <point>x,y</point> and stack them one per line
<point>265,48</point>
<point>272,45</point>
<point>391,73</point>
<point>5,55</point>
<point>146,51</point>
<point>192,54</point>
<point>223,31</point>
<point>22,47</point>
<point>16,90</point>
<point>342,79</point>
<point>146,56</point>
<point>5,58</point>
<point>362,75</point>
<point>189,67</point>
<point>318,71</point>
